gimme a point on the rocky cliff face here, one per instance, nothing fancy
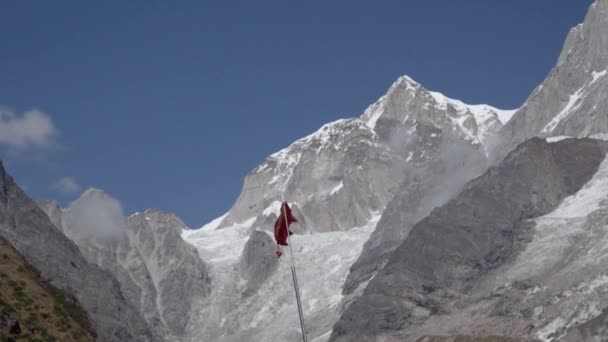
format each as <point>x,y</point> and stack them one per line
<point>25,226</point>
<point>421,190</point>
<point>157,271</point>
<point>449,253</point>
<point>570,102</point>
<point>572,99</point>
<point>447,144</point>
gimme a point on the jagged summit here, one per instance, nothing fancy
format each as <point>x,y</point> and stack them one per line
<point>407,84</point>
<point>476,123</point>
<point>408,128</point>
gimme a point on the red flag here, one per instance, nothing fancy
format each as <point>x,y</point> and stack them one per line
<point>281,226</point>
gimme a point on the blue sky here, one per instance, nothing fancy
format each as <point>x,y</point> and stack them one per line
<point>169,104</point>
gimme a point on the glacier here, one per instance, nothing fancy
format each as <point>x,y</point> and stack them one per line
<point>322,261</point>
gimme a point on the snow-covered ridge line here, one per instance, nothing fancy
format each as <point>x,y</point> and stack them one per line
<point>326,136</point>
<point>214,223</point>
<point>479,111</point>
<point>323,134</point>
<point>482,113</point>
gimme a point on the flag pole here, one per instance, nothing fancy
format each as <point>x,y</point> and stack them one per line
<point>294,275</point>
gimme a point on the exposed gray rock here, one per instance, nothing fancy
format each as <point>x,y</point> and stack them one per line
<point>179,275</point>
<point>572,99</point>
<point>319,174</point>
<point>53,211</point>
<point>447,253</point>
<point>336,179</point>
<point>570,102</point>
<point>258,261</point>
<point>412,141</point>
<point>25,226</point>
<point>421,191</point>
<point>348,170</point>
<point>157,271</point>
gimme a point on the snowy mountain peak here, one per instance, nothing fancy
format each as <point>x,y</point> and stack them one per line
<point>403,84</point>
<point>407,100</point>
<point>409,126</point>
<point>406,82</point>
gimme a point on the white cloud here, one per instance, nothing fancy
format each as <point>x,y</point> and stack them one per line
<point>95,213</point>
<point>67,185</point>
<point>33,128</point>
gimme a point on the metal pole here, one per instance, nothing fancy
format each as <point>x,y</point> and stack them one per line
<point>295,277</point>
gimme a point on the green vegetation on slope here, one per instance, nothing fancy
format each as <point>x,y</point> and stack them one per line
<point>31,309</point>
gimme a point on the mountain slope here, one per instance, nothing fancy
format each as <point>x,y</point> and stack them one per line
<point>337,176</point>
<point>449,253</point>
<point>447,146</point>
<point>31,308</point>
<point>411,152</point>
<point>157,271</point>
<point>394,239</point>
<point>252,296</point>
<point>556,282</point>
<point>572,99</point>
<point>338,179</point>
<point>411,139</point>
<point>30,231</point>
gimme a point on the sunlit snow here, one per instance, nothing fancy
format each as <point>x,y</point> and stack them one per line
<point>323,261</point>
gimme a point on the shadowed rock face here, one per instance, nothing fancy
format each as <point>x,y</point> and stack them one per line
<point>447,253</point>
<point>422,190</point>
<point>25,226</point>
<point>258,261</point>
